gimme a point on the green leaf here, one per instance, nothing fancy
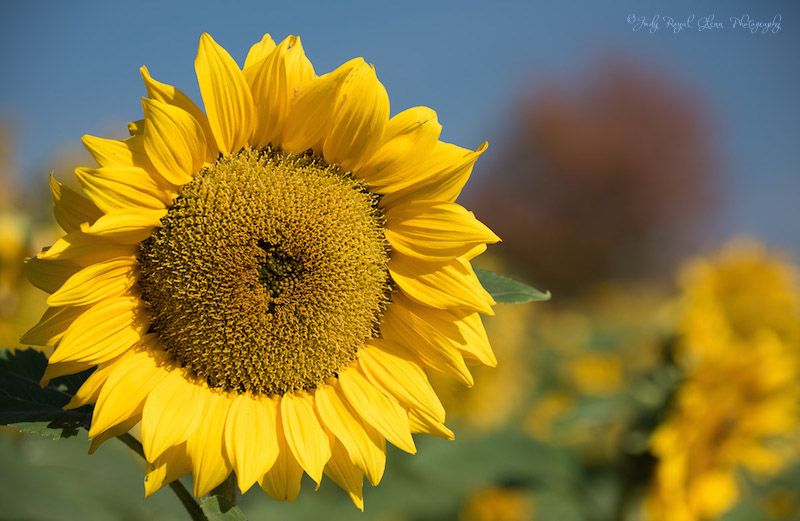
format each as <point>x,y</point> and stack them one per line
<point>217,508</point>
<point>31,408</point>
<point>506,290</point>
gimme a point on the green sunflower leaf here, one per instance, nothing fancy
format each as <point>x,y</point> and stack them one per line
<point>506,290</point>
<point>217,508</point>
<point>28,406</point>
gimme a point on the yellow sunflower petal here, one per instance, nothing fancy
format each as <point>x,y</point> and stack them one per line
<point>259,50</point>
<point>422,422</point>
<point>70,208</point>
<point>409,138</point>
<point>103,332</point>
<point>304,435</point>
<point>474,252</point>
<point>346,474</point>
<point>314,108</point>
<point>108,152</point>
<point>476,342</point>
<point>166,468</point>
<point>128,226</point>
<point>173,96</point>
<point>274,81</point>
<point>226,96</point>
<point>282,481</point>
<point>440,177</point>
<point>89,391</point>
<point>399,377</point>
<point>55,370</point>
<point>96,282</point>
<point>79,249</point>
<point>435,231</point>
<point>377,409</point>
<point>455,329</point>
<point>172,412</point>
<point>367,448</point>
<point>174,141</point>
<point>120,188</point>
<point>361,116</point>
<point>114,152</point>
<point>49,275</point>
<point>206,448</point>
<point>250,439</point>
<point>52,326</point>
<point>127,387</point>
<point>113,432</point>
<point>442,285</point>
<point>405,323</point>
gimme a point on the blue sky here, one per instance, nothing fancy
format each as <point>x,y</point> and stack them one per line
<point>72,68</point>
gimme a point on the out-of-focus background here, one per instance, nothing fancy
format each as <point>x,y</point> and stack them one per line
<point>643,166</point>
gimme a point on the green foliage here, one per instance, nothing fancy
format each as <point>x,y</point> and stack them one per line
<point>46,480</point>
<point>506,290</point>
<point>28,406</point>
<point>217,508</point>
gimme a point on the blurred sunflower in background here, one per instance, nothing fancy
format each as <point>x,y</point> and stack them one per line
<point>18,301</point>
<point>737,408</point>
<point>261,287</point>
<point>498,504</point>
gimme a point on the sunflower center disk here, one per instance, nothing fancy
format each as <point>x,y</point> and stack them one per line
<point>268,273</point>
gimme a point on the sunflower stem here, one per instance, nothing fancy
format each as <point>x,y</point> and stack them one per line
<point>186,499</point>
<point>227,490</point>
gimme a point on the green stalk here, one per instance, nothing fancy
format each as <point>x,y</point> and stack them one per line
<point>186,499</point>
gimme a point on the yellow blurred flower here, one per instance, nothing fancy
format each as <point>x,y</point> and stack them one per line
<point>741,292</point>
<point>13,248</point>
<point>736,412</point>
<point>738,407</point>
<point>18,303</point>
<point>14,231</point>
<point>546,412</point>
<point>498,504</point>
<point>596,374</point>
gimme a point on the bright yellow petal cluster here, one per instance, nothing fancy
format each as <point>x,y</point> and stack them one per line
<point>738,407</point>
<point>339,428</point>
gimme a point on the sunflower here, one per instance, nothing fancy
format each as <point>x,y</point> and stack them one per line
<point>262,286</point>
<point>735,414</point>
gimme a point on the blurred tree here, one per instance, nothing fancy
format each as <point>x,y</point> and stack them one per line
<point>613,178</point>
